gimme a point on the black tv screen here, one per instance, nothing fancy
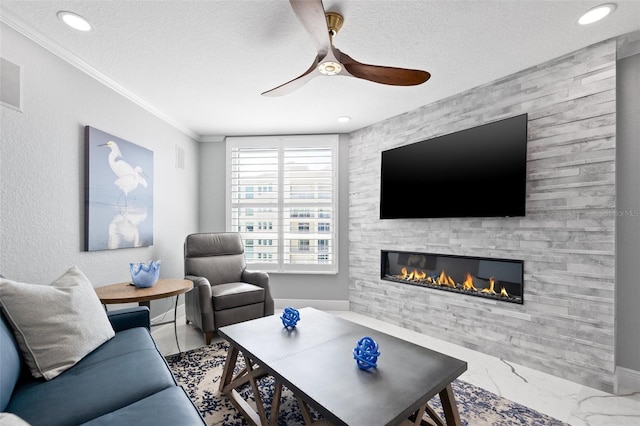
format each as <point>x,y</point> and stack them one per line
<point>478,172</point>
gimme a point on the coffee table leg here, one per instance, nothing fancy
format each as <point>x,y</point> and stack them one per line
<point>253,374</point>
<point>249,374</point>
<point>229,366</point>
<point>275,403</point>
<point>434,416</point>
<point>449,406</point>
<point>418,416</point>
<point>306,414</point>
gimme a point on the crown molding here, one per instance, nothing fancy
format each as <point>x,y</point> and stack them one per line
<point>628,45</point>
<point>211,138</point>
<point>17,24</point>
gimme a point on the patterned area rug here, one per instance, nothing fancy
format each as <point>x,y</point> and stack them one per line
<point>199,371</point>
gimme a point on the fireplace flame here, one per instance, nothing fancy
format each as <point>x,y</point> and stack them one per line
<point>468,283</point>
<point>446,280</point>
<point>414,275</point>
<point>403,273</point>
<point>490,290</point>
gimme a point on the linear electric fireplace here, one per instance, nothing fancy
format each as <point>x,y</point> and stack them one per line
<point>498,279</point>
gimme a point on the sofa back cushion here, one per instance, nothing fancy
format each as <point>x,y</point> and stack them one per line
<point>10,362</point>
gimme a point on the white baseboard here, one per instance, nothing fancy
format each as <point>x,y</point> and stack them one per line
<point>324,305</point>
<point>626,380</point>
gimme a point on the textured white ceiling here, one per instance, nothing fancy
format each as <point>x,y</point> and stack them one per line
<point>202,65</point>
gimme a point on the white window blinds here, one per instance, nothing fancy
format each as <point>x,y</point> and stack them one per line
<point>282,198</point>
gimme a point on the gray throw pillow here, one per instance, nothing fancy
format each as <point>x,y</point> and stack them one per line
<point>55,325</point>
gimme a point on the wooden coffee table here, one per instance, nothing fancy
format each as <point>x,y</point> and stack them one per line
<point>315,361</point>
<point>129,293</point>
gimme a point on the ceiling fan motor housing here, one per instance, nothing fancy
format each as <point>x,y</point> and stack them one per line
<point>334,22</point>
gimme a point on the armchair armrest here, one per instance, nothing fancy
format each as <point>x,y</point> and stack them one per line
<point>201,286</point>
<point>261,279</point>
<point>198,305</point>
<point>123,319</point>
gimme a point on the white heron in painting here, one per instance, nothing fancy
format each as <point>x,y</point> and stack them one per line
<point>129,182</point>
<point>129,177</point>
<point>123,229</point>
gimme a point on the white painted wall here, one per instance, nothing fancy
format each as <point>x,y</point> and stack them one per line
<point>212,191</point>
<point>42,161</point>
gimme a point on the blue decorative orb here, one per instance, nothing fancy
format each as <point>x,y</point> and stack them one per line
<point>145,275</point>
<point>366,353</point>
<point>290,317</point>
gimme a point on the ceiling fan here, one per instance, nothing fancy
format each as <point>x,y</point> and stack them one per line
<point>322,27</point>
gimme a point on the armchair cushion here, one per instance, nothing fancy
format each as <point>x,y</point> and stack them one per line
<point>55,325</point>
<point>232,295</point>
<point>218,269</point>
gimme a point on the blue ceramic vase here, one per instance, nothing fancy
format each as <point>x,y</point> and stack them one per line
<point>145,274</point>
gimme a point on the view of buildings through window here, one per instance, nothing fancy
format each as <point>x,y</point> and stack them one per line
<point>282,200</point>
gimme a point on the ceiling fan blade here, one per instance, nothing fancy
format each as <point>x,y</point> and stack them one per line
<point>296,83</point>
<point>384,75</point>
<point>312,16</point>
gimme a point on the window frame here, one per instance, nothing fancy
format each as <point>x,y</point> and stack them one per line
<point>281,143</point>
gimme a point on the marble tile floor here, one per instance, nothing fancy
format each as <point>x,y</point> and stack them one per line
<point>570,402</point>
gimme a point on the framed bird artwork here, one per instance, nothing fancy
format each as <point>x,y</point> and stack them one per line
<point>118,192</point>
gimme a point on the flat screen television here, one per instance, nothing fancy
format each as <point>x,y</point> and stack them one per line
<point>478,172</point>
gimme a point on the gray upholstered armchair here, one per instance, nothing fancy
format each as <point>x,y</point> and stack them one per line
<point>224,291</point>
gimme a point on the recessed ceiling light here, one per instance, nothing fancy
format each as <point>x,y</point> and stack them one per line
<point>74,20</point>
<point>344,119</point>
<point>596,13</point>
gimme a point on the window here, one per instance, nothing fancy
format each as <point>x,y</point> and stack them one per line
<point>303,227</point>
<point>265,225</point>
<point>282,196</point>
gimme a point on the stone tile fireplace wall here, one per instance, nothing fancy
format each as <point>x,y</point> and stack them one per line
<point>566,325</point>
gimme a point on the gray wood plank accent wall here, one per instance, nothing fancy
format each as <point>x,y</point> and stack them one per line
<point>566,325</point>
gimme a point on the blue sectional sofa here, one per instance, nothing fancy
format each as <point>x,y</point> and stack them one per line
<point>125,381</point>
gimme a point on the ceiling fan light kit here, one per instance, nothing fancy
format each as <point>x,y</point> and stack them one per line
<point>330,68</point>
<point>322,27</point>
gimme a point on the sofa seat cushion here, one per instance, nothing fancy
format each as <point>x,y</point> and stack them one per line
<point>170,406</point>
<point>123,370</point>
<point>233,295</point>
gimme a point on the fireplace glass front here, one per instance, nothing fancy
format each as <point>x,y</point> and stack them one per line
<point>498,279</point>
